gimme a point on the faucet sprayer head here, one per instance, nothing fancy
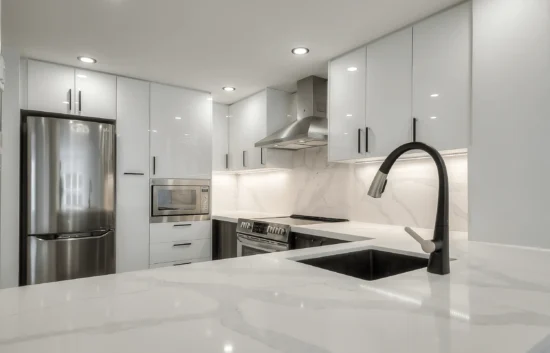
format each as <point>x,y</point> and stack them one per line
<point>378,185</point>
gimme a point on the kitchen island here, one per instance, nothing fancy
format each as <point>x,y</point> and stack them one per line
<point>496,299</point>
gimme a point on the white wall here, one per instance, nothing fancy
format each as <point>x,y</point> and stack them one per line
<point>9,188</point>
<point>316,187</point>
<point>509,163</point>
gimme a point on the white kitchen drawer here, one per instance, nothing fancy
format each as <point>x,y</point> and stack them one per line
<point>179,263</point>
<point>180,250</point>
<point>178,231</point>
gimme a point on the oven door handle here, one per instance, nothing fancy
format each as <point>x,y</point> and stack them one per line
<point>260,243</point>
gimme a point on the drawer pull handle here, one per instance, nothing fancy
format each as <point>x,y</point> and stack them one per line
<point>182,244</point>
<point>130,173</point>
<point>182,225</point>
<point>183,263</point>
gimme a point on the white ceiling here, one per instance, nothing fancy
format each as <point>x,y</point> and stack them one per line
<point>205,44</point>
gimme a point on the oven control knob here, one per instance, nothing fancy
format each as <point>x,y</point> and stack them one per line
<point>280,231</point>
<point>270,229</point>
<point>248,225</point>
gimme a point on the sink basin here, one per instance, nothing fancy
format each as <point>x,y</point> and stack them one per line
<point>368,264</point>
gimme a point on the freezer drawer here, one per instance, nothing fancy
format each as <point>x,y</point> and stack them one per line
<point>70,258</point>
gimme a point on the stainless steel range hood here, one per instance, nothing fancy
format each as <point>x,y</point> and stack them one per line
<point>311,128</point>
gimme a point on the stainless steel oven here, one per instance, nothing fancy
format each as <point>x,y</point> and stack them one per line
<point>258,237</point>
<point>250,245</point>
<point>176,200</point>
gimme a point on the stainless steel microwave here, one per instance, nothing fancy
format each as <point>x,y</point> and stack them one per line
<point>176,200</point>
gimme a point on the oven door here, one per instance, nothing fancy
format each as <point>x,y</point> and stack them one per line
<point>249,245</point>
<point>176,200</point>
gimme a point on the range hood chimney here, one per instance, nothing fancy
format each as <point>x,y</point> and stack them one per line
<point>311,128</point>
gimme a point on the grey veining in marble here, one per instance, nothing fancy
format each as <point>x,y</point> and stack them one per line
<point>316,187</point>
<point>496,299</point>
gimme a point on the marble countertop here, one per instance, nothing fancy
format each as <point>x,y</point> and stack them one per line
<point>233,216</point>
<point>496,299</point>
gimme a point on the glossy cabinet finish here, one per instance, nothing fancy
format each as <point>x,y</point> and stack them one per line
<point>256,129</point>
<point>389,96</point>
<point>442,78</point>
<point>96,94</point>
<point>181,133</point>
<point>252,119</point>
<point>347,101</point>
<point>132,203</point>
<point>180,250</point>
<point>237,133</point>
<point>220,141</point>
<point>177,231</point>
<point>50,87</point>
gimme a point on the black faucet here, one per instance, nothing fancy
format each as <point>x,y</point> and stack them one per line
<point>438,248</point>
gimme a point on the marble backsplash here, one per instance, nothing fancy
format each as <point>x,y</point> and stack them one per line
<point>316,187</point>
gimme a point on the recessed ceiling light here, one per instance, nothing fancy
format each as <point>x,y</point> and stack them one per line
<point>349,115</point>
<point>229,89</point>
<point>300,51</point>
<point>435,95</point>
<point>81,76</point>
<point>353,68</point>
<point>178,117</point>
<point>87,60</point>
<point>433,117</point>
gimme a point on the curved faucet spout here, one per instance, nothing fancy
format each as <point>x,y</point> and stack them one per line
<point>439,262</point>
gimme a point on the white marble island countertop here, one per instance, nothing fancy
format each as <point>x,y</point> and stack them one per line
<point>496,299</point>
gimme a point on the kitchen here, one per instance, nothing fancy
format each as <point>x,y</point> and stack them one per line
<point>216,168</point>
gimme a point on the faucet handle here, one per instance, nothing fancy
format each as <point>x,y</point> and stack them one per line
<point>427,245</point>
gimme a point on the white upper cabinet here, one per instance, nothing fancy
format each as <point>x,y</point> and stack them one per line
<point>63,89</point>
<point>256,129</point>
<point>251,120</point>
<point>95,94</point>
<point>181,133</point>
<point>389,96</point>
<point>442,78</point>
<point>50,87</point>
<point>132,202</point>
<point>347,84</point>
<point>237,132</point>
<point>220,141</point>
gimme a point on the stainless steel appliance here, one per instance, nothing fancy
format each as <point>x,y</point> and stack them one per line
<point>176,200</point>
<point>311,127</point>
<point>67,198</point>
<point>260,236</point>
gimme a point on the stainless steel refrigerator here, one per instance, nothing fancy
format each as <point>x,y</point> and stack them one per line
<point>67,198</point>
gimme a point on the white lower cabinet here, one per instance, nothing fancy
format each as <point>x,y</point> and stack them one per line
<point>180,250</point>
<point>180,242</point>
<point>179,263</point>
<point>169,232</point>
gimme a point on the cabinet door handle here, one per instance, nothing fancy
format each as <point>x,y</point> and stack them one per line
<point>80,101</point>
<point>226,161</point>
<point>244,162</point>
<point>154,165</point>
<point>182,225</point>
<point>134,173</point>
<point>367,139</point>
<point>183,263</point>
<point>261,156</point>
<point>358,140</point>
<point>70,99</point>
<point>414,129</point>
<point>182,244</point>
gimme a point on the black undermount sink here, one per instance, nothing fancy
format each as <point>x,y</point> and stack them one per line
<point>368,264</point>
